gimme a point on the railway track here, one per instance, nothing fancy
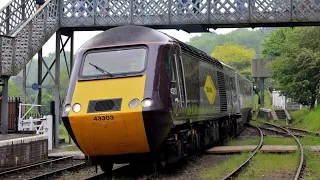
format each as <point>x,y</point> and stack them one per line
<point>13,173</point>
<point>236,172</point>
<point>301,131</point>
<point>288,131</point>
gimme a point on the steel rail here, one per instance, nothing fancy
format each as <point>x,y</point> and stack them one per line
<point>42,176</point>
<point>237,170</point>
<point>299,169</point>
<point>275,131</point>
<point>33,165</point>
<point>302,131</point>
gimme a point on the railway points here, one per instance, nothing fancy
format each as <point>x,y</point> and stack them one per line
<point>301,167</point>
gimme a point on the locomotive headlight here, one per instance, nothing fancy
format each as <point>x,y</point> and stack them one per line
<point>146,102</point>
<point>134,103</point>
<point>76,107</point>
<point>67,108</point>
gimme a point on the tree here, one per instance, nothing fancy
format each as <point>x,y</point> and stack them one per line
<point>14,90</point>
<point>274,43</point>
<point>244,37</point>
<point>236,56</point>
<point>204,42</point>
<point>296,64</point>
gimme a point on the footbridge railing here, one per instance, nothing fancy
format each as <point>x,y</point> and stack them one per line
<point>216,13</point>
<point>14,14</point>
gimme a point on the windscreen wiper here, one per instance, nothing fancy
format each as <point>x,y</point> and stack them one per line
<point>102,70</point>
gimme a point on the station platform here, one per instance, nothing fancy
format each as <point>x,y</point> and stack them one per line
<point>264,148</point>
<point>20,149</point>
<point>56,153</point>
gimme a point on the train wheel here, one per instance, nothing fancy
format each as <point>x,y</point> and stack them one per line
<point>106,167</point>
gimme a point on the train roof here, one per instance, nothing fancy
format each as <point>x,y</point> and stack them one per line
<point>131,34</point>
<point>197,52</point>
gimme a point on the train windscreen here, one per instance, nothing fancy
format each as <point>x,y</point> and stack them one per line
<point>113,62</point>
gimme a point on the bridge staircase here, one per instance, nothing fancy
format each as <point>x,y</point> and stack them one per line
<point>24,31</point>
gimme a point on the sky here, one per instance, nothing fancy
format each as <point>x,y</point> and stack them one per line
<point>80,37</point>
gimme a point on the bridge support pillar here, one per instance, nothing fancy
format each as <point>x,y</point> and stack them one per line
<point>4,104</point>
<point>39,98</point>
<point>57,89</point>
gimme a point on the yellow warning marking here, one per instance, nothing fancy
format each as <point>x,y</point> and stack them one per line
<point>210,89</point>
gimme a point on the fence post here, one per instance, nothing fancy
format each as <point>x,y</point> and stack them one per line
<point>49,131</point>
<point>17,102</point>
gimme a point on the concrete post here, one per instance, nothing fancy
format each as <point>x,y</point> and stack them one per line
<point>262,92</point>
<point>4,105</point>
<point>49,131</point>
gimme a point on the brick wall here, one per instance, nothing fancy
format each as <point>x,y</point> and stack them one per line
<point>19,154</point>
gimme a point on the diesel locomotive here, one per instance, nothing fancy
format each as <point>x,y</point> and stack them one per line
<point>139,95</point>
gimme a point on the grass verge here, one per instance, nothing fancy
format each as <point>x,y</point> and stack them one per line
<point>225,168</point>
<point>269,166</point>
<point>310,120</point>
<point>313,164</point>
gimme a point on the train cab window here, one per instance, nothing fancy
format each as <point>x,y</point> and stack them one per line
<point>169,64</point>
<point>115,61</point>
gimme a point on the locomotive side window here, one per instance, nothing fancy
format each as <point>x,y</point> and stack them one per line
<point>115,61</point>
<point>169,64</point>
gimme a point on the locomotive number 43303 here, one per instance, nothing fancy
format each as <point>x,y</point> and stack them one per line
<point>103,118</point>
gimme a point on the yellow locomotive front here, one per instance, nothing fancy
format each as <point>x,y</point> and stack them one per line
<point>118,97</point>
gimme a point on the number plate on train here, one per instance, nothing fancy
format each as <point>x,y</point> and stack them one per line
<point>103,118</point>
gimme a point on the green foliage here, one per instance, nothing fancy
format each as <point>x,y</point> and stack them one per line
<point>14,90</point>
<point>273,44</point>
<point>236,56</point>
<point>64,83</point>
<point>63,133</point>
<point>244,37</point>
<point>205,42</point>
<point>297,62</point>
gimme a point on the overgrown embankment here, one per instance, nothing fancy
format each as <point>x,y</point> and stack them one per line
<point>307,119</point>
